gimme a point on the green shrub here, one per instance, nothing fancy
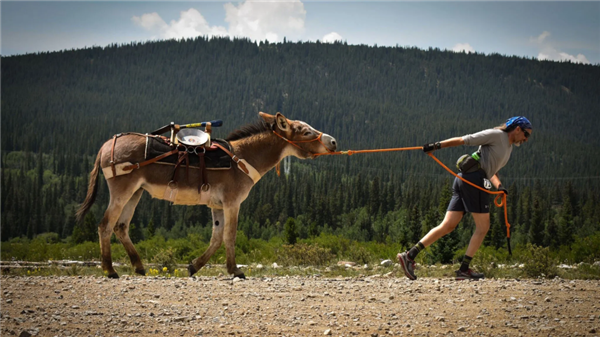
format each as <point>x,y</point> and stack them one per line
<point>302,254</point>
<point>538,262</point>
<point>487,260</point>
<point>165,258</point>
<point>47,238</point>
<point>586,249</point>
<point>359,255</point>
<point>86,251</point>
<point>337,245</point>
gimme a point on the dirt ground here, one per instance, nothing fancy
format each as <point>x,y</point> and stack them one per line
<point>296,306</point>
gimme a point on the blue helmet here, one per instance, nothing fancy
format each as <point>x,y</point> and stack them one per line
<point>521,121</point>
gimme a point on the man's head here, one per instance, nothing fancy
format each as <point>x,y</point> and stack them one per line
<point>519,129</point>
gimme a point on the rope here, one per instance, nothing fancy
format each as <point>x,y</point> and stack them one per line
<point>499,200</point>
<point>351,152</point>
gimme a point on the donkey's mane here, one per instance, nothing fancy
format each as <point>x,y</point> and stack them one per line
<point>252,129</point>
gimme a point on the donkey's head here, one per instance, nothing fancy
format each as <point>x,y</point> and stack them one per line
<point>307,142</point>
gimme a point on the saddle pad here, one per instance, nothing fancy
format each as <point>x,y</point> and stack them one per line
<point>214,158</point>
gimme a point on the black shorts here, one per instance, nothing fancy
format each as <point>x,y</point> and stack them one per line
<point>466,198</point>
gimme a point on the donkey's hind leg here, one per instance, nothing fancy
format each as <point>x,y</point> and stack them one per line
<point>121,230</point>
<point>119,197</point>
<point>215,241</point>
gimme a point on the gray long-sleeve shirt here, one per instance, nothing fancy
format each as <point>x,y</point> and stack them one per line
<point>495,149</point>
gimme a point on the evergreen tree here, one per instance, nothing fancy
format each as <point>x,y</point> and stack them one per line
<point>565,222</point>
<point>536,230</point>
<point>551,238</point>
<point>86,231</point>
<point>150,229</point>
<point>290,231</point>
<point>135,233</point>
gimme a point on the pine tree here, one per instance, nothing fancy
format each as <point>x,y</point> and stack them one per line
<point>536,230</point>
<point>135,233</point>
<point>551,238</point>
<point>290,231</point>
<point>565,222</point>
<point>150,229</point>
<point>69,223</point>
<point>86,231</point>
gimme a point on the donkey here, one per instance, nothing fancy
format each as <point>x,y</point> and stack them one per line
<point>260,146</point>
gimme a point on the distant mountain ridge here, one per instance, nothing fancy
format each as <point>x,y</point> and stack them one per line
<point>367,97</point>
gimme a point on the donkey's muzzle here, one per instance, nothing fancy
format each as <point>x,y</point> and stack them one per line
<point>329,142</point>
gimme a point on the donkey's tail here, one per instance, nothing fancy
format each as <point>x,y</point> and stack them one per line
<point>92,190</point>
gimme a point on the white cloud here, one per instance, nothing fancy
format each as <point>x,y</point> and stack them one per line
<point>149,21</point>
<point>332,37</point>
<point>257,21</point>
<point>463,47</point>
<point>541,38</point>
<point>550,53</point>
<point>266,20</point>
<point>190,24</point>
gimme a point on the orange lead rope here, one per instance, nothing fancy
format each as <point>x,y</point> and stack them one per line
<point>499,200</point>
<point>351,152</point>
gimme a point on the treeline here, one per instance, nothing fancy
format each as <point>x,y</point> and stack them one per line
<point>58,108</point>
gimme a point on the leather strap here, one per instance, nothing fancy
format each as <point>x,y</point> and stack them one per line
<point>234,158</point>
<point>112,155</point>
<point>203,179</point>
<point>150,161</point>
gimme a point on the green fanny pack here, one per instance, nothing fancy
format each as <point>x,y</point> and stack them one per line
<point>469,163</point>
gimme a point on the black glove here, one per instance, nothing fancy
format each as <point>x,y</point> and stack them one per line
<point>502,189</point>
<point>431,146</point>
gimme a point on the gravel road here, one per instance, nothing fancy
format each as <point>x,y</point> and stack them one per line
<point>297,306</point>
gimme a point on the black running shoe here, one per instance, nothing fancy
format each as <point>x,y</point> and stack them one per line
<point>407,264</point>
<point>468,275</point>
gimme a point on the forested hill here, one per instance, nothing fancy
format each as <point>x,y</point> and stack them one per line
<point>62,106</point>
<point>366,97</point>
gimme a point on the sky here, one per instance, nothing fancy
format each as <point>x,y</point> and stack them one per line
<point>557,31</point>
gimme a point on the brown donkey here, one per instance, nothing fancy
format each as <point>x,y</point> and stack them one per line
<point>259,146</point>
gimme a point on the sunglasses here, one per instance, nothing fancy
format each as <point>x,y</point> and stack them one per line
<point>527,134</point>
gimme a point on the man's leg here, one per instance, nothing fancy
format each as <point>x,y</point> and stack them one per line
<point>451,220</point>
<point>482,225</point>
<point>407,259</point>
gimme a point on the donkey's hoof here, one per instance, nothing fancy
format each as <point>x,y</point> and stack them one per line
<point>113,275</point>
<point>241,276</point>
<point>192,270</point>
<point>141,272</point>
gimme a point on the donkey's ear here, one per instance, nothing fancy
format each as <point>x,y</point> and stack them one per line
<point>269,119</point>
<point>282,122</point>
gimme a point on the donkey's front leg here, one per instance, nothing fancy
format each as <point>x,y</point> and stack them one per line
<point>215,241</point>
<point>231,224</point>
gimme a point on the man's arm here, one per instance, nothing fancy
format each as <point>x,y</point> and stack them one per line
<point>496,182</point>
<point>456,141</point>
